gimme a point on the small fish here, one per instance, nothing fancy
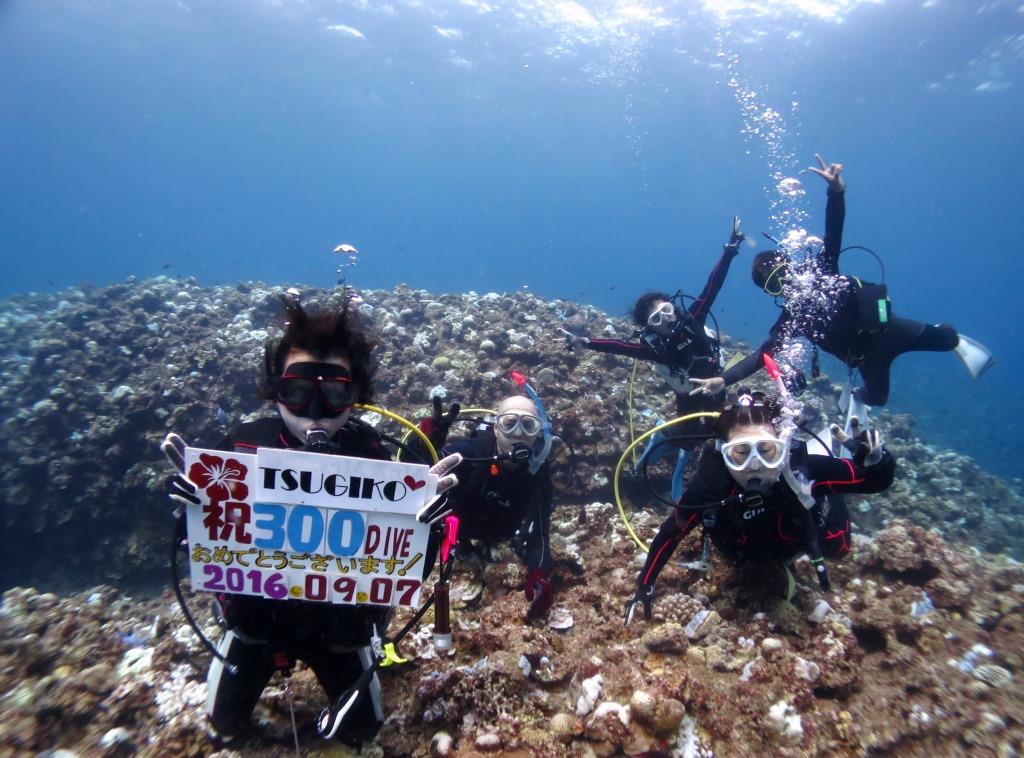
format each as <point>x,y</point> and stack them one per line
<point>167,266</point>
<point>222,417</point>
<point>400,247</point>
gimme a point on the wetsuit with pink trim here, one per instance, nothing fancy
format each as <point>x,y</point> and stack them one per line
<point>774,530</point>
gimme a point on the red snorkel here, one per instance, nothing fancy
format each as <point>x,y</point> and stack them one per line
<point>773,371</point>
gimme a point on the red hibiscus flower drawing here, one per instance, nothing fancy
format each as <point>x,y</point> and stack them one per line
<point>222,480</point>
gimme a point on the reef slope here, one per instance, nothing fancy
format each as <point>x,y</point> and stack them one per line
<point>95,377</point>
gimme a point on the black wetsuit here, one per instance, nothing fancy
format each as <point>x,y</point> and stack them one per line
<point>775,530</point>
<point>266,635</point>
<point>827,314</point>
<point>687,352</point>
<point>497,501</point>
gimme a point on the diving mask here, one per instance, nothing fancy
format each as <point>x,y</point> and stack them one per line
<point>775,280</point>
<point>518,424</point>
<point>316,390</point>
<point>739,454</point>
<point>665,312</point>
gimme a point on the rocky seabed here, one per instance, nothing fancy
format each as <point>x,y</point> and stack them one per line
<point>918,651</point>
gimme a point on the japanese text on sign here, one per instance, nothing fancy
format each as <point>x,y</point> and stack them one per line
<point>286,524</point>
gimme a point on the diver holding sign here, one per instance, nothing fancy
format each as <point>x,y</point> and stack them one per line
<point>312,544</point>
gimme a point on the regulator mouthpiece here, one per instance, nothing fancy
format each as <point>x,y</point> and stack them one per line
<point>519,452</point>
<point>317,441</point>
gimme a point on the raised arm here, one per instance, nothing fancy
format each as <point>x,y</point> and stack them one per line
<point>835,214</point>
<point>746,367</point>
<point>700,307</point>
<point>636,350</point>
<point>857,476</point>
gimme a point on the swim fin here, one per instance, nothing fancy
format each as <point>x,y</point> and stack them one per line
<point>975,356</point>
<point>822,443</point>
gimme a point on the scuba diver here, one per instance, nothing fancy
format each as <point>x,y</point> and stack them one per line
<point>314,372</point>
<point>675,338</point>
<point>761,497</point>
<point>846,317</point>
<point>505,490</point>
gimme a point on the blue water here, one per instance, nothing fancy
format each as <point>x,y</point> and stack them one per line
<point>586,150</point>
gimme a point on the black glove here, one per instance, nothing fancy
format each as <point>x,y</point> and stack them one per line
<point>736,237</point>
<point>182,491</point>
<point>437,426</point>
<point>572,340</point>
<point>864,444</point>
<point>645,595</point>
<point>869,447</point>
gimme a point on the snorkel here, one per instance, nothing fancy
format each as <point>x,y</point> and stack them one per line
<point>537,458</point>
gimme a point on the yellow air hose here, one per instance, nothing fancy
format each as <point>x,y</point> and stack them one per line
<point>632,446</point>
<point>413,429</point>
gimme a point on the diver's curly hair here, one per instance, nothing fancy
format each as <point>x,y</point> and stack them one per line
<point>747,408</point>
<point>642,306</point>
<point>330,333</point>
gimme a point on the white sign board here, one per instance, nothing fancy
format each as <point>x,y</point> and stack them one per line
<point>285,524</point>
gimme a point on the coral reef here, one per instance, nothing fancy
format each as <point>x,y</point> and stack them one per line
<point>98,673</point>
<point>925,618</point>
<point>96,376</point>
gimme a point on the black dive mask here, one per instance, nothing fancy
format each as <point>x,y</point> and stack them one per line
<point>316,390</point>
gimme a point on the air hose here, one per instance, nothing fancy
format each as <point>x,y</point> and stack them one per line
<point>622,462</point>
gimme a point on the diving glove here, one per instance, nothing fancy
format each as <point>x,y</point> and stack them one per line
<point>644,596</point>
<point>865,444</point>
<point>737,236</point>
<point>573,341</point>
<point>180,488</point>
<point>183,491</point>
<point>438,508</point>
<point>437,426</point>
